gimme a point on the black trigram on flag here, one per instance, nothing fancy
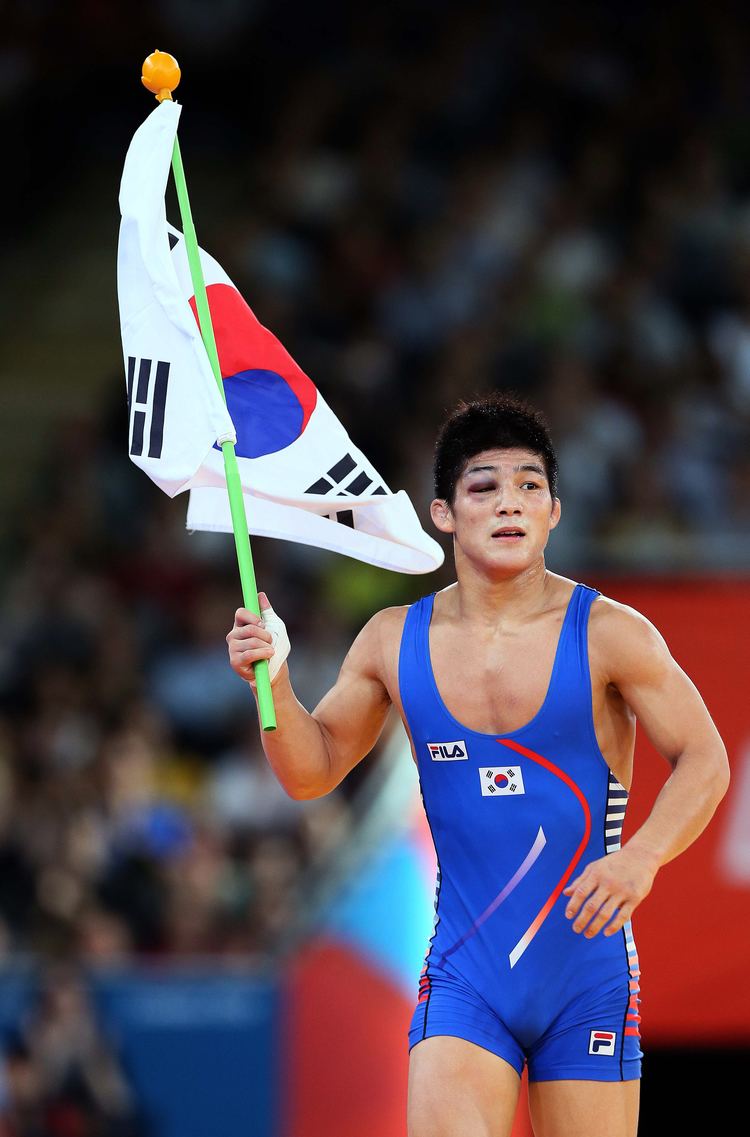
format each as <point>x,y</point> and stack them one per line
<point>335,478</point>
<point>147,395</point>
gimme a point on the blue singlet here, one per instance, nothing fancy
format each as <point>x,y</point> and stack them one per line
<point>515,818</point>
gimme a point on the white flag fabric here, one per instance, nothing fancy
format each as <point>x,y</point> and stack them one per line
<point>176,411</point>
<point>302,477</point>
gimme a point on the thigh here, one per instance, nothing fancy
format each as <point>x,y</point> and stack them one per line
<point>458,1089</point>
<point>574,1108</point>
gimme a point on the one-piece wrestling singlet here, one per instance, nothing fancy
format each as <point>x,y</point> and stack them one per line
<point>514,818</point>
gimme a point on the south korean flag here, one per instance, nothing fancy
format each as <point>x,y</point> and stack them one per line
<point>501,781</point>
<point>303,478</point>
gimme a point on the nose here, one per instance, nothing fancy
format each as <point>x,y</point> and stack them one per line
<point>508,502</point>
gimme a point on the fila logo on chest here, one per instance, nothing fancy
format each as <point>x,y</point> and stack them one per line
<point>448,751</point>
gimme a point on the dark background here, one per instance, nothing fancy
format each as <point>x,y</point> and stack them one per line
<point>423,201</point>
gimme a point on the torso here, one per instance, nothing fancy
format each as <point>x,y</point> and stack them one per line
<point>495,682</point>
<point>521,791</point>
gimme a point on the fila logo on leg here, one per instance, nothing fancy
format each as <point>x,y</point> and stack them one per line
<point>501,781</point>
<point>602,1042</point>
<point>448,751</point>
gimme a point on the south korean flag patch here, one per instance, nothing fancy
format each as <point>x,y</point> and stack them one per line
<point>501,781</point>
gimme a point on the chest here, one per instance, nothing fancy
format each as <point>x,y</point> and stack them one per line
<point>494,684</point>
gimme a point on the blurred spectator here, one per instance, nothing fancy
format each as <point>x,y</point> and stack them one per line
<point>62,1077</point>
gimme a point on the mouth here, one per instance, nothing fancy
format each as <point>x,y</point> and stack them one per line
<point>510,533</point>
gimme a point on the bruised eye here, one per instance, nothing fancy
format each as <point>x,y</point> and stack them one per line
<point>481,488</point>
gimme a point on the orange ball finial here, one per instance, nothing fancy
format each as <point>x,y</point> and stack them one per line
<point>160,74</point>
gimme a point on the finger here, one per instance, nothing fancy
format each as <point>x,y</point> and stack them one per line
<point>589,909</point>
<point>574,884</point>
<point>243,661</point>
<point>619,920</point>
<point>249,632</point>
<point>578,891</point>
<point>605,913</point>
<point>244,616</point>
<point>263,601</point>
<point>254,653</point>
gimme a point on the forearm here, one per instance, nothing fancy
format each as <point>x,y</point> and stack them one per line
<point>684,806</point>
<point>297,750</point>
<point>609,889</point>
<point>310,753</point>
<point>634,662</point>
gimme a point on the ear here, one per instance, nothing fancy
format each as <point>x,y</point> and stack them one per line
<point>442,516</point>
<point>556,512</point>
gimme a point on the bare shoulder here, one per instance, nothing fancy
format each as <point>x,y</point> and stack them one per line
<point>377,644</point>
<point>390,622</point>
<point>386,626</point>
<point>622,640</point>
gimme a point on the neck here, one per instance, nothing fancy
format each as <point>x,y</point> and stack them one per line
<point>484,599</point>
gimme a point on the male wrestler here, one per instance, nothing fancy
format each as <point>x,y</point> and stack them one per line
<point>520,691</point>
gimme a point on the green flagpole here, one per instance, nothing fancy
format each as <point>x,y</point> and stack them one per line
<point>161,75</point>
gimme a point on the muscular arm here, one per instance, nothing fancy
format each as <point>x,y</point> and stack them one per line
<point>310,753</point>
<point>635,659</point>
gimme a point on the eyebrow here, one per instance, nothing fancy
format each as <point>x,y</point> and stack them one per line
<point>532,467</point>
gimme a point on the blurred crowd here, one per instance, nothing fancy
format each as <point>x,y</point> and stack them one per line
<point>425,202</point>
<point>555,204</point>
<point>430,200</point>
<point>138,813</point>
<point>139,821</point>
<point>61,1078</point>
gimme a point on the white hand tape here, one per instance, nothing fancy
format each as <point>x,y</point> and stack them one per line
<point>279,638</point>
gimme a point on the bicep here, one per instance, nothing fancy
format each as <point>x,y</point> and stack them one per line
<point>352,714</point>
<point>663,698</point>
<point>670,710</point>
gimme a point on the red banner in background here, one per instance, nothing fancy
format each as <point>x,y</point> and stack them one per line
<point>693,931</point>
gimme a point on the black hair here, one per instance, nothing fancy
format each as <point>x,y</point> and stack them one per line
<point>495,422</point>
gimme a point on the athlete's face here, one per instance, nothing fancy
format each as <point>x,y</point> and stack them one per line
<point>502,511</point>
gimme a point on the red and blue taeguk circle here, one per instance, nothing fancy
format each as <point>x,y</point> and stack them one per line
<point>501,780</point>
<point>269,398</point>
